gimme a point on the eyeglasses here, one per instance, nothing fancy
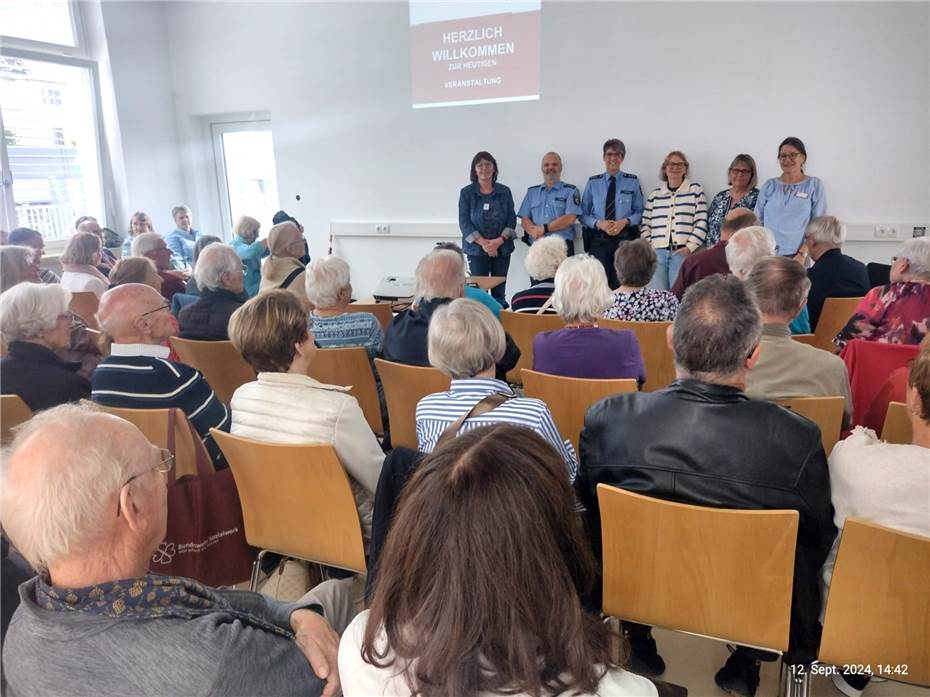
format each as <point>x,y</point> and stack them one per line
<point>157,309</point>
<point>611,153</point>
<point>164,465</point>
<point>675,165</point>
<point>737,170</point>
<point>788,155</point>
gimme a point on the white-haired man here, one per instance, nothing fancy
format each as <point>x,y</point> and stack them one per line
<point>220,276</point>
<point>88,513</point>
<point>833,275</point>
<point>153,246</point>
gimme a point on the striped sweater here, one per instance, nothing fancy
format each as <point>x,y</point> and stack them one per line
<point>682,213</point>
<point>138,376</point>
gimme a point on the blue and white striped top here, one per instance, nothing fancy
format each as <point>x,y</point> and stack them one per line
<point>438,411</point>
<point>675,218</point>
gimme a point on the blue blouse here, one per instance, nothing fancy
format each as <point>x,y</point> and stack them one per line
<point>489,215</point>
<point>786,209</point>
<point>251,255</point>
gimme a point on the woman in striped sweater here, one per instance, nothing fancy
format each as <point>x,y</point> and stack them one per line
<point>674,219</point>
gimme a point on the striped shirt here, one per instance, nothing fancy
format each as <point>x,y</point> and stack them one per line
<point>438,411</point>
<point>348,329</point>
<point>675,218</point>
<point>139,376</point>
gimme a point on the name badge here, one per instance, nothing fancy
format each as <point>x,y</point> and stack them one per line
<point>487,206</point>
<point>800,194</point>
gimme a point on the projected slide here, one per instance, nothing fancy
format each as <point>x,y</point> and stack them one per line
<point>474,52</point>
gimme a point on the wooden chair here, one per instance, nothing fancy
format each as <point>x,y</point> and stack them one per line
<point>809,339</point>
<point>569,398</point>
<point>380,310</point>
<point>523,328</point>
<point>404,386</point>
<point>84,305</point>
<point>296,501</point>
<point>13,412</point>
<point>878,609</point>
<point>154,425</point>
<point>350,367</point>
<point>719,573</point>
<point>826,412</point>
<point>897,428</point>
<point>222,365</point>
<point>653,344</point>
<point>833,317</point>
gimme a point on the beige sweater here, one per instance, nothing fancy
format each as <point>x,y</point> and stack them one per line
<point>275,271</point>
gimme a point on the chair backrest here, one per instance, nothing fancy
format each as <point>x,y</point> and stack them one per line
<point>84,305</point>
<point>404,386</point>
<point>296,500</point>
<point>350,367</point>
<point>826,412</point>
<point>154,425</point>
<point>523,328</point>
<point>569,398</point>
<point>653,344</point>
<point>897,428</point>
<point>382,311</point>
<point>222,365</point>
<point>809,339</point>
<point>833,317</point>
<point>725,574</point>
<point>878,609</point>
<point>13,412</point>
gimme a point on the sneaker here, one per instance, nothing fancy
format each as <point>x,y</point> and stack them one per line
<point>851,685</point>
<point>644,657</point>
<point>739,675</point>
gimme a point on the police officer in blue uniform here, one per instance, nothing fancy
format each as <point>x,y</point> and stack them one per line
<point>612,207</point>
<point>552,207</point>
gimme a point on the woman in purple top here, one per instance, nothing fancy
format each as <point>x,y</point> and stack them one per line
<point>582,349</point>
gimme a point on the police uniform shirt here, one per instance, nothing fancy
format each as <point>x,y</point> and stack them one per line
<point>544,205</point>
<point>629,199</point>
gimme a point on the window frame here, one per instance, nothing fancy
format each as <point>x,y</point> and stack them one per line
<point>79,50</point>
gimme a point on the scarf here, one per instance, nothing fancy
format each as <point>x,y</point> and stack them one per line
<point>86,268</point>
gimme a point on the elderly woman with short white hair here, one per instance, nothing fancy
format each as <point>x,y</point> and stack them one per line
<point>542,261</point>
<point>466,342</point>
<point>583,349</point>
<point>251,250</point>
<point>329,288</point>
<point>219,274</point>
<point>36,323</point>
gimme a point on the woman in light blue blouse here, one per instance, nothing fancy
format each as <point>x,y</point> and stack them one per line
<point>787,204</point>
<point>251,250</point>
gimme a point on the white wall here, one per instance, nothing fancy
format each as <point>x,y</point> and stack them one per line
<point>851,79</point>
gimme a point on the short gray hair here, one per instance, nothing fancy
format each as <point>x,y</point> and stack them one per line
<point>215,260</point>
<point>324,280</point>
<point>826,229</point>
<point>145,243</point>
<point>13,261</point>
<point>917,253</point>
<point>635,262</point>
<point>28,310</point>
<point>464,339</point>
<point>746,247</point>
<point>780,285</point>
<point>545,256</point>
<point>57,511</point>
<point>440,274</point>
<point>581,291</point>
<point>81,248</point>
<point>716,328</point>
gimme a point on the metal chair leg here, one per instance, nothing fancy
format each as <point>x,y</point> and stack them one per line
<point>256,570</point>
<point>797,683</point>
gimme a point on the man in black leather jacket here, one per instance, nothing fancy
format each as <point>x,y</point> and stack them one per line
<point>703,441</point>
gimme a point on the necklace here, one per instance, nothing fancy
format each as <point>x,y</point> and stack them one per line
<point>582,325</point>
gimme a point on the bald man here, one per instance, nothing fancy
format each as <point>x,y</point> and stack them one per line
<point>138,374</point>
<point>713,260</point>
<point>84,500</point>
<point>551,208</point>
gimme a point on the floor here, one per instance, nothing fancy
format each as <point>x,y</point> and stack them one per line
<point>692,661</point>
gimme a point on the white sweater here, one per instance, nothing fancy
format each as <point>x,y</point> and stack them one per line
<point>78,282</point>
<point>360,679</point>
<point>291,408</point>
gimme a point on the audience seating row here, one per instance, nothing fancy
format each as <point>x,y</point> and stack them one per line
<point>833,317</point>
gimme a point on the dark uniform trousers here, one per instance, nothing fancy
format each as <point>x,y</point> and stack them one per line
<point>602,246</point>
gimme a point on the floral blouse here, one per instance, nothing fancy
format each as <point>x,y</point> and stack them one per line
<point>643,305</point>
<point>718,209</point>
<point>898,313</point>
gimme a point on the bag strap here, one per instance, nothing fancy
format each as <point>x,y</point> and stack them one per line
<point>486,404</point>
<point>545,306</point>
<point>201,458</point>
<point>172,446</point>
<point>290,278</point>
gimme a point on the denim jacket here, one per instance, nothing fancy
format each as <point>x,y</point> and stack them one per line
<point>491,215</point>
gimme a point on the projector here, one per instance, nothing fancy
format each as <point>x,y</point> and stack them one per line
<point>394,288</point>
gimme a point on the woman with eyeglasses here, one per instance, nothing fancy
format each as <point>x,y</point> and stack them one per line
<point>674,219</point>
<point>36,324</point>
<point>788,203</point>
<point>741,192</point>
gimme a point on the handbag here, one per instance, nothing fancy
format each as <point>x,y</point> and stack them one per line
<point>205,536</point>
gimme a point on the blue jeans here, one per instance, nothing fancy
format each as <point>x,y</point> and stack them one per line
<point>483,265</point>
<point>667,267</point>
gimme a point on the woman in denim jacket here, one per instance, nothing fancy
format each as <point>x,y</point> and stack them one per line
<point>487,220</point>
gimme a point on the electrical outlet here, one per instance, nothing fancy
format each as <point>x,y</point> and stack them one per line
<point>886,232</point>
<point>383,229</point>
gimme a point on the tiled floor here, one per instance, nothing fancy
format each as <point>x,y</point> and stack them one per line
<point>692,661</point>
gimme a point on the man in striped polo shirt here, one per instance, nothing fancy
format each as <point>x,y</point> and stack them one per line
<point>138,374</point>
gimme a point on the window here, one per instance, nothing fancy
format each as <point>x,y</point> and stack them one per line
<point>245,166</point>
<point>47,21</point>
<point>50,136</point>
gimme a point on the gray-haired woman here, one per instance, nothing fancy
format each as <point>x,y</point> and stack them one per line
<point>635,263</point>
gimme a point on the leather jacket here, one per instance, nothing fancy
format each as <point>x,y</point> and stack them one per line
<point>710,445</point>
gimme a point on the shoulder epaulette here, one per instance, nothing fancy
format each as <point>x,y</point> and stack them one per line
<point>570,186</point>
<point>595,176</point>
<point>628,175</point>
